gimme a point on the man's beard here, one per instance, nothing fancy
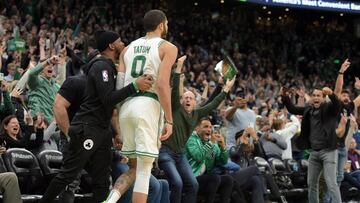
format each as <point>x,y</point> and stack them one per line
<point>164,34</point>
<point>118,52</point>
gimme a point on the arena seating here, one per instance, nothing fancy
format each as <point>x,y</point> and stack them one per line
<point>282,176</point>
<point>34,173</point>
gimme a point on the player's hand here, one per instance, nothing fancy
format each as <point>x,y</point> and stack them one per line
<point>144,82</point>
<point>167,131</point>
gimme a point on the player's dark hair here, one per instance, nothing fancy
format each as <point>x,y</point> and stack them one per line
<point>152,19</point>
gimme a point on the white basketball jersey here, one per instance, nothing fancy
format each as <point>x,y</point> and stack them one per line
<point>142,57</point>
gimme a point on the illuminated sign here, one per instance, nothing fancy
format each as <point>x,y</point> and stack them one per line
<point>340,6</point>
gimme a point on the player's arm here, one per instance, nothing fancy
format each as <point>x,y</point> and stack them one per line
<point>121,71</point>
<point>169,53</point>
<point>103,74</point>
<point>116,125</point>
<point>60,112</point>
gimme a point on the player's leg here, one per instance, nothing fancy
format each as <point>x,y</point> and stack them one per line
<point>123,183</point>
<point>147,148</point>
<point>143,173</point>
<point>99,166</point>
<point>126,179</point>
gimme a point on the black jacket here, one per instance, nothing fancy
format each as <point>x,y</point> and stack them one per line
<point>328,111</point>
<point>23,140</point>
<point>245,157</point>
<point>100,94</point>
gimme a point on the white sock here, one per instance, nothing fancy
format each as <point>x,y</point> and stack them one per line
<point>113,197</point>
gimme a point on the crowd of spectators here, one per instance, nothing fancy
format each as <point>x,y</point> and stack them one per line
<point>268,54</point>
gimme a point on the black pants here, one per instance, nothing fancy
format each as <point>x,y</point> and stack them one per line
<point>212,184</point>
<point>90,148</point>
<point>275,191</point>
<point>250,179</point>
<point>68,195</point>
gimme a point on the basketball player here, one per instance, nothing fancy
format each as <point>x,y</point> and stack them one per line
<point>141,116</point>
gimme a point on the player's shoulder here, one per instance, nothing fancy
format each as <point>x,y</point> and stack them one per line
<point>101,64</point>
<point>166,45</point>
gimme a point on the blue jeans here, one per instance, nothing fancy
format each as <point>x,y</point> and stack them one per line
<point>158,189</point>
<point>180,176</point>
<point>342,157</point>
<point>356,175</point>
<point>356,136</point>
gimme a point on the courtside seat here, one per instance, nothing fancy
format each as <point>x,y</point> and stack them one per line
<point>25,165</point>
<point>297,176</point>
<point>50,162</point>
<point>263,165</point>
<point>278,166</point>
<point>282,173</point>
<point>292,165</point>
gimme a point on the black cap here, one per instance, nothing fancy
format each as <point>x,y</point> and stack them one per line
<point>104,38</point>
<point>240,93</point>
<point>239,134</point>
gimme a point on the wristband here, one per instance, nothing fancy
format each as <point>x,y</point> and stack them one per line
<point>135,86</point>
<point>340,73</point>
<point>168,122</point>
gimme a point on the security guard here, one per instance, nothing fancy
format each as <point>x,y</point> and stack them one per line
<point>90,132</point>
